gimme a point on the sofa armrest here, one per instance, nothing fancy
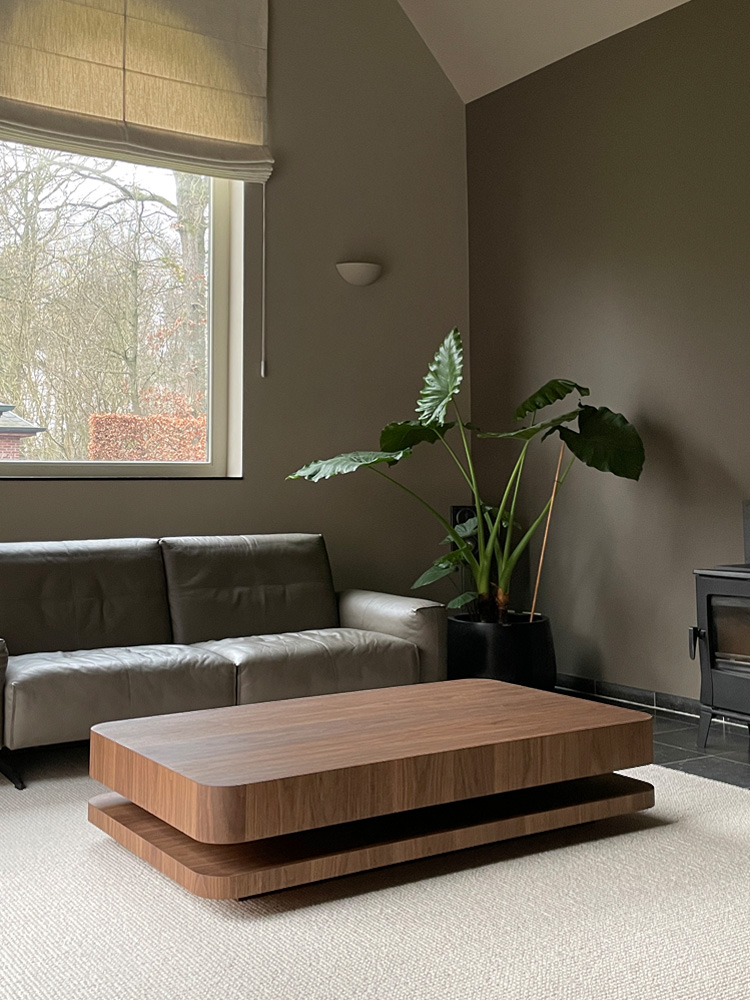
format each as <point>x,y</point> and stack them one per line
<point>415,619</point>
<point>3,667</point>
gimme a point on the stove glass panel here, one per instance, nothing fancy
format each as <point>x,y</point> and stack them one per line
<point>730,623</point>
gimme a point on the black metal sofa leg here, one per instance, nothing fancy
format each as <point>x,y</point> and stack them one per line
<point>7,768</point>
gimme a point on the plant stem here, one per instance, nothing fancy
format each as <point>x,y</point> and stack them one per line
<point>512,513</point>
<point>456,538</point>
<point>492,542</point>
<point>546,531</point>
<point>510,565</point>
<point>456,459</point>
<point>474,485</point>
<point>502,597</point>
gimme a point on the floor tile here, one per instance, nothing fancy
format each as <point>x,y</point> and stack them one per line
<point>662,725</point>
<point>718,768</point>
<point>739,729</point>
<point>721,739</point>
<point>741,756</point>
<point>664,754</point>
<point>685,738</point>
<point>731,742</point>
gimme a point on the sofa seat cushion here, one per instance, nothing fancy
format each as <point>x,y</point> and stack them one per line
<point>57,697</point>
<point>318,661</point>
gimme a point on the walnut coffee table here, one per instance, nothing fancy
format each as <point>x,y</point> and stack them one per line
<point>233,802</point>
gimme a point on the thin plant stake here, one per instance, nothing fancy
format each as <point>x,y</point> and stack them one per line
<point>546,531</point>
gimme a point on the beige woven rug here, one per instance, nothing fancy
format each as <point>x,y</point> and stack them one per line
<point>646,907</point>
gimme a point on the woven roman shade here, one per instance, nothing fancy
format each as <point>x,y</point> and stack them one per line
<point>179,83</point>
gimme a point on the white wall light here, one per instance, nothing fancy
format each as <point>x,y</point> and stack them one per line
<point>359,272</point>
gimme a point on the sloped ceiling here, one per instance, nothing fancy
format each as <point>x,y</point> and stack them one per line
<point>485,44</point>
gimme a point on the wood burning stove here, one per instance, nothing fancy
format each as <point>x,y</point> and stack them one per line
<point>722,637</point>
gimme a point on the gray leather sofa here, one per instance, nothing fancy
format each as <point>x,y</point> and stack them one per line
<point>124,628</point>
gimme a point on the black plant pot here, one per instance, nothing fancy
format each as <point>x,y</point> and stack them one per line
<point>518,651</point>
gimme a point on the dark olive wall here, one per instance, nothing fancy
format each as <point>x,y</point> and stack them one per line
<point>609,214</point>
<point>369,141</point>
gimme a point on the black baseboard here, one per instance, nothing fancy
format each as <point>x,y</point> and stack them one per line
<point>606,691</point>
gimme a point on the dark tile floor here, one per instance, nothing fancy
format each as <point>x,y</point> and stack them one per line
<point>726,756</point>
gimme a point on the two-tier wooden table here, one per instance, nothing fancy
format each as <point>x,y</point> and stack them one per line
<point>233,802</point>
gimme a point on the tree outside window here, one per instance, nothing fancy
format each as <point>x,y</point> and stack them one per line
<point>104,320</point>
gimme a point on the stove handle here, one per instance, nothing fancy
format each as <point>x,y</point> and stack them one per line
<point>695,634</point>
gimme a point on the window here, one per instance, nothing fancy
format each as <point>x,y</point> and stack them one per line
<point>115,317</point>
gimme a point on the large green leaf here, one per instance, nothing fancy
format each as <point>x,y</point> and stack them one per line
<point>462,599</point>
<point>468,528</point>
<point>443,566</point>
<point>526,433</point>
<point>409,433</point>
<point>606,441</point>
<point>550,426</point>
<point>324,468</point>
<point>442,381</point>
<point>557,388</point>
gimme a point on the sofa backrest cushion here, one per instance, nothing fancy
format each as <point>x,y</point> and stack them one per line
<point>223,586</point>
<point>82,594</point>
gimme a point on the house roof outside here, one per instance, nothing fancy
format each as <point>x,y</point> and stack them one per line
<point>12,423</point>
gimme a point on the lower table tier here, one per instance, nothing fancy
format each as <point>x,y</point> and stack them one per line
<point>233,871</point>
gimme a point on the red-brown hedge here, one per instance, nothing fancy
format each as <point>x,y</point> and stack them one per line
<point>126,437</point>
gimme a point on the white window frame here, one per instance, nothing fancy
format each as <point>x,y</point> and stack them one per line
<point>225,365</point>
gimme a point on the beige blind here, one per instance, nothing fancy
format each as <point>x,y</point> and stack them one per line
<point>178,83</point>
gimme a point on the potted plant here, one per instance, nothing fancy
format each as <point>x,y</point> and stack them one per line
<point>493,640</point>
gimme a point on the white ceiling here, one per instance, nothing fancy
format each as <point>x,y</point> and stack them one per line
<point>485,44</point>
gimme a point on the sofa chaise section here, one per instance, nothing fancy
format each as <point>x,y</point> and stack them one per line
<point>89,636</point>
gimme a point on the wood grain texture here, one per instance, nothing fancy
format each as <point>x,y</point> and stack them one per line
<point>252,772</point>
<point>235,871</point>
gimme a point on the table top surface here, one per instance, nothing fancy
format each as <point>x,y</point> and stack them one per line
<point>272,740</point>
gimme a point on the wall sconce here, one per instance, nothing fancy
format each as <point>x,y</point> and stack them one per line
<point>359,272</point>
